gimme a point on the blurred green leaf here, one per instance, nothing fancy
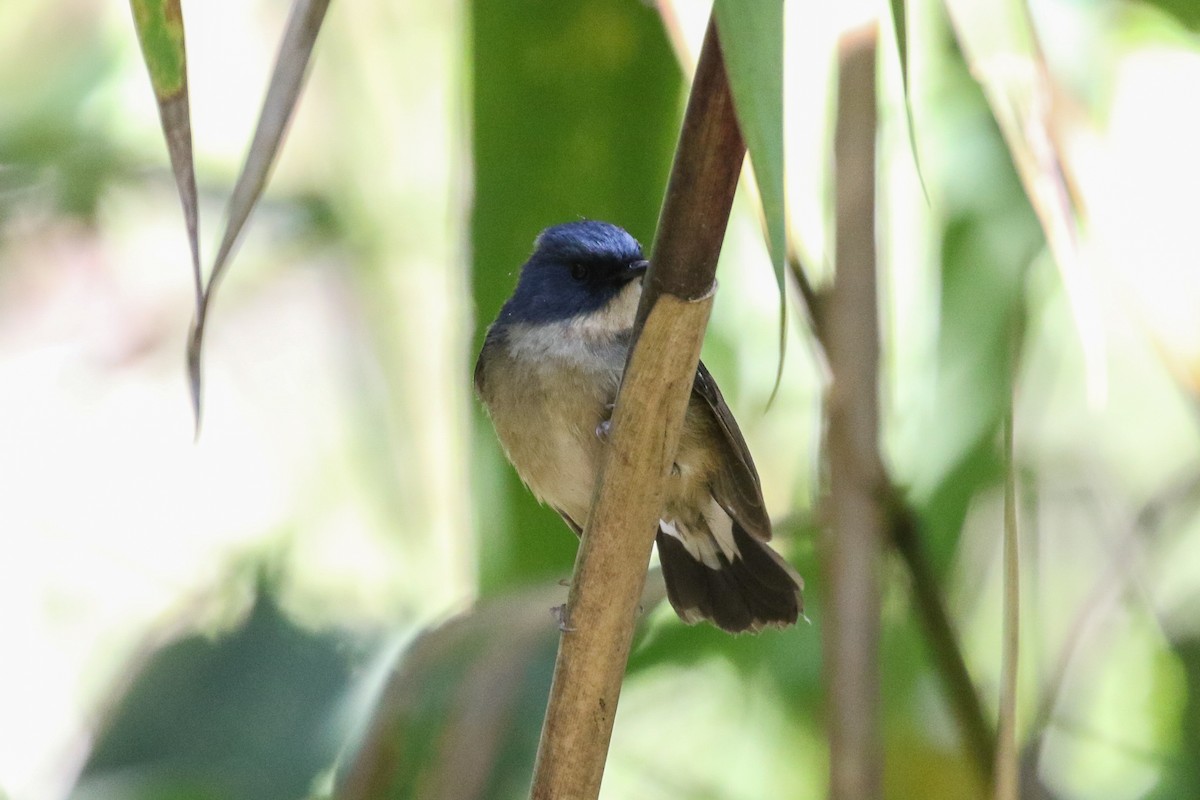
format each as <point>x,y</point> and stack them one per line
<point>283,92</point>
<point>51,154</point>
<point>752,43</point>
<point>900,27</point>
<point>1182,775</point>
<point>576,111</point>
<point>462,711</point>
<point>989,238</point>
<point>1185,12</point>
<point>252,714</point>
<point>460,716</point>
<point>1030,113</point>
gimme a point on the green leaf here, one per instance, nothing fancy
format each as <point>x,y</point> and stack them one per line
<point>462,710</point>
<point>256,713</point>
<point>291,65</point>
<point>900,26</point>
<point>1184,12</point>
<point>752,42</point>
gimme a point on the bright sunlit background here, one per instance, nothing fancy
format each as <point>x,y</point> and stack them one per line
<point>344,494</point>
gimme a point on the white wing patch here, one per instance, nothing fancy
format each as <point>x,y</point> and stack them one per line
<point>706,545</point>
<point>721,527</point>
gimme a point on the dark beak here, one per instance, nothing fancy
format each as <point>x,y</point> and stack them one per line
<point>638,267</point>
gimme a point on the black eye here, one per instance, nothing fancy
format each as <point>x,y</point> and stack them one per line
<point>579,272</point>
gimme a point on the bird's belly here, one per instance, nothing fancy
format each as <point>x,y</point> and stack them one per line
<point>546,422</point>
<point>563,474</point>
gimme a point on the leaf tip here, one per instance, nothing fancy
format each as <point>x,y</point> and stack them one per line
<point>195,340</point>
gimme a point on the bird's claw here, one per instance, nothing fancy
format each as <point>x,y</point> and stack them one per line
<point>605,426</point>
<point>560,616</point>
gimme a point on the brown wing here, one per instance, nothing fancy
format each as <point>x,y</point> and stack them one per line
<point>736,486</point>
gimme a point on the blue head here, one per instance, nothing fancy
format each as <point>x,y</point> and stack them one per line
<point>577,268</point>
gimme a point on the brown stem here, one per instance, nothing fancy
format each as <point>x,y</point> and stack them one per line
<point>1008,755</point>
<point>855,508</point>
<point>611,565</point>
<point>695,213</point>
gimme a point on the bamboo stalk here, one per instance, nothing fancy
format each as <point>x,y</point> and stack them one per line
<point>610,568</point>
<point>855,507</point>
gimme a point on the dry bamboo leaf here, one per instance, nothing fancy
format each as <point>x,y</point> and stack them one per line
<point>291,64</point>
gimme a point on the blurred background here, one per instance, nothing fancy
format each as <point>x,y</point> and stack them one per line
<point>342,563</point>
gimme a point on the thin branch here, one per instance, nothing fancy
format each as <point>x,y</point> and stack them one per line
<point>808,293</point>
<point>855,509</point>
<point>1008,755</point>
<point>611,565</point>
<point>977,733</point>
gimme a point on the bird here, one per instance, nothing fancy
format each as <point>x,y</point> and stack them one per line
<point>548,374</point>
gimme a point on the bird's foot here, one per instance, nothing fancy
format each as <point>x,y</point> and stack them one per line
<point>605,427</point>
<point>560,616</point>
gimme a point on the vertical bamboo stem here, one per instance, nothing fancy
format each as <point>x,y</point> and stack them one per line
<point>615,549</point>
<point>855,510</point>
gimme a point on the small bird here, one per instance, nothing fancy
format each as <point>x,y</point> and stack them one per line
<point>548,375</point>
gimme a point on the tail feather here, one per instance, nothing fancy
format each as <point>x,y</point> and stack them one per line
<point>755,589</point>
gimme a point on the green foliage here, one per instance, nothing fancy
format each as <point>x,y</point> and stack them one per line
<point>461,713</point>
<point>989,238</point>
<point>1186,12</point>
<point>51,154</point>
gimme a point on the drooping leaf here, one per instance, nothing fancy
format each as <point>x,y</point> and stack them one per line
<point>160,31</point>
<point>752,42</point>
<point>283,92</point>
<point>900,26</point>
